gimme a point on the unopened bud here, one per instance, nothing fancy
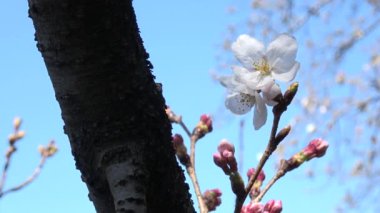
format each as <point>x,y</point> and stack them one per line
<point>222,163</point>
<point>225,157</point>
<point>316,148</point>
<point>51,149</point>
<point>20,134</point>
<point>273,206</point>
<point>253,207</point>
<point>260,177</point>
<point>204,126</point>
<point>180,150</point>
<point>290,93</point>
<point>225,145</point>
<point>282,134</point>
<point>16,123</point>
<point>177,140</point>
<point>212,198</point>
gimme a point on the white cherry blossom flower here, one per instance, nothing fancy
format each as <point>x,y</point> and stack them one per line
<point>242,97</point>
<point>253,84</point>
<point>263,65</point>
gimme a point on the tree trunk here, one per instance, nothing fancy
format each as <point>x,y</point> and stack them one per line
<point>113,112</point>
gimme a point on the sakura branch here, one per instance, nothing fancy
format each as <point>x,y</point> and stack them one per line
<point>253,86</point>
<point>315,149</point>
<point>210,199</point>
<point>45,152</point>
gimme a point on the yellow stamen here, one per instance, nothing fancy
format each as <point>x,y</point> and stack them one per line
<point>263,67</point>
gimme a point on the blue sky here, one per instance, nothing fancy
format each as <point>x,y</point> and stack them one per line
<point>182,38</point>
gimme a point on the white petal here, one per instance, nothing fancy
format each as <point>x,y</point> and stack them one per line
<point>286,75</point>
<point>260,115</point>
<point>239,103</point>
<point>248,50</point>
<point>283,47</point>
<point>269,93</point>
<point>265,81</point>
<point>249,79</point>
<point>239,71</point>
<point>225,81</point>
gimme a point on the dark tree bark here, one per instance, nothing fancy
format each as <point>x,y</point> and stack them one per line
<point>113,112</point>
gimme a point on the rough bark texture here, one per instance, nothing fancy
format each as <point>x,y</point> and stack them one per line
<point>113,113</point>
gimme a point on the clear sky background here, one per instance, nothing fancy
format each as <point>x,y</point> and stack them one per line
<point>182,38</point>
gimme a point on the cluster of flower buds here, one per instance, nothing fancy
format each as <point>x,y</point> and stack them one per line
<point>316,148</point>
<point>180,150</point>
<point>212,198</point>
<point>225,157</point>
<point>17,135</point>
<point>272,206</point>
<point>204,126</point>
<point>255,191</point>
<point>49,150</point>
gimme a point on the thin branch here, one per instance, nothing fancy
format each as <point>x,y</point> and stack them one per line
<point>241,145</point>
<point>8,156</point>
<point>191,171</point>
<point>268,151</point>
<point>184,127</point>
<point>281,172</point>
<point>30,179</point>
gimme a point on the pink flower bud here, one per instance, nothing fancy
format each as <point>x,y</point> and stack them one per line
<point>221,162</point>
<point>320,145</point>
<point>212,198</point>
<point>253,208</point>
<point>261,176</point>
<point>273,206</point>
<point>180,150</point>
<point>226,152</point>
<point>316,148</point>
<point>226,145</point>
<point>177,140</point>
<point>206,119</point>
<point>203,127</point>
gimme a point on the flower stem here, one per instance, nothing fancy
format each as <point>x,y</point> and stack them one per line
<point>8,157</point>
<point>191,171</point>
<point>277,112</point>
<point>30,179</point>
<point>284,168</point>
<point>184,127</point>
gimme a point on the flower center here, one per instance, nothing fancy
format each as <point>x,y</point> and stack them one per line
<point>263,67</point>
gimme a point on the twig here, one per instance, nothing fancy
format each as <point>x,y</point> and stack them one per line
<point>281,172</point>
<point>268,151</point>
<point>184,127</point>
<point>191,171</point>
<point>34,175</point>
<point>8,156</point>
<point>241,145</point>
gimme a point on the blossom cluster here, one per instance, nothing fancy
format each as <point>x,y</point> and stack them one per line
<point>253,84</point>
<point>272,206</point>
<point>225,157</point>
<point>204,126</point>
<point>212,198</point>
